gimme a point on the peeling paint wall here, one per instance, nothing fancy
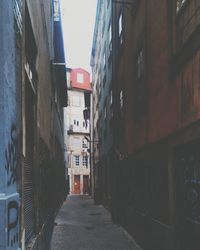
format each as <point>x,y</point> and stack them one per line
<point>9,129</point>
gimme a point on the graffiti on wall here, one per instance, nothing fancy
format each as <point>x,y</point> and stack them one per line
<point>12,223</point>
<point>12,156</point>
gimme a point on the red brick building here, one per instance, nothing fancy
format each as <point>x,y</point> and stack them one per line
<point>156,83</point>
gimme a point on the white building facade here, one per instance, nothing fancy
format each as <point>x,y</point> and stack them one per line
<point>77,135</point>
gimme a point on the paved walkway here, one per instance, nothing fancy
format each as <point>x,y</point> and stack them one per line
<point>81,225</point>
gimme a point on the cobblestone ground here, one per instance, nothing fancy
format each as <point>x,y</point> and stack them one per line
<point>81,225</point>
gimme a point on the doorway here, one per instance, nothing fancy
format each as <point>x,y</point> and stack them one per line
<point>187,170</point>
<point>77,189</point>
<point>86,184</point>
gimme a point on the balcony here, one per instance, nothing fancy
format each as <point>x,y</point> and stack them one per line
<point>73,129</point>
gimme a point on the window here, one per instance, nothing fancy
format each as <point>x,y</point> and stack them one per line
<point>104,61</point>
<point>111,104</point>
<point>180,4</point>
<point>121,101</point>
<point>104,68</point>
<point>188,18</point>
<point>140,81</point>
<point>84,144</point>
<point>105,109</point>
<point>109,44</point>
<point>103,26</point>
<point>120,28</point>
<point>85,161</point>
<point>110,37</point>
<point>79,78</point>
<point>77,160</point>
<point>140,63</point>
<point>111,97</point>
<point>56,10</point>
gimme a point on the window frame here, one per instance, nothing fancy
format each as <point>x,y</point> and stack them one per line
<point>85,161</point>
<point>77,160</point>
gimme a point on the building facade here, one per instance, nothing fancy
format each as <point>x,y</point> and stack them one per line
<point>10,129</point>
<point>77,127</point>
<point>33,93</point>
<point>102,104</point>
<point>155,81</point>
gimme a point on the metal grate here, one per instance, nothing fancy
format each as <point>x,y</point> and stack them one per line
<point>28,201</point>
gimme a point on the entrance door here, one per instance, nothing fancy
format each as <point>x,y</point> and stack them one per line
<point>86,184</point>
<point>187,163</point>
<point>77,189</point>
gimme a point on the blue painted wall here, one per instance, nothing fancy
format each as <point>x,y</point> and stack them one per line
<point>9,130</point>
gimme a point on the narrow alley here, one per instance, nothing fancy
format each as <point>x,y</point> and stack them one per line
<point>82,225</point>
<point>100,125</point>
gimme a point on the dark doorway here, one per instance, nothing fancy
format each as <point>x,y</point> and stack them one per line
<point>187,164</point>
<point>86,184</point>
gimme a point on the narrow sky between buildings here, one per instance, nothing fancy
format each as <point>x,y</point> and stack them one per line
<point>78,18</point>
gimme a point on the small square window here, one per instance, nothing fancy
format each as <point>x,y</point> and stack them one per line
<point>80,78</point>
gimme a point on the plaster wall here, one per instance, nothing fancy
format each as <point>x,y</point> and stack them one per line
<point>9,131</point>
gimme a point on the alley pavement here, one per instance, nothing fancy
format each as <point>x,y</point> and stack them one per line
<point>81,225</point>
